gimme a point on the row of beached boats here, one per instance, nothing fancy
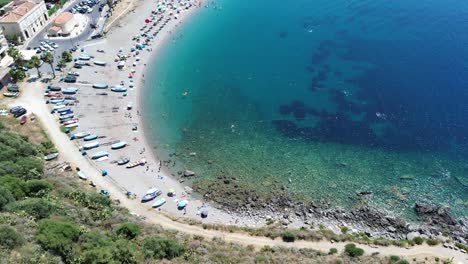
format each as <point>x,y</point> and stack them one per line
<point>117,89</point>
<point>150,195</point>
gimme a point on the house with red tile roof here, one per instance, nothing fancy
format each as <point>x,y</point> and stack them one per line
<point>23,18</point>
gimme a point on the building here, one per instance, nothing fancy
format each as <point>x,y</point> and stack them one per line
<point>23,18</point>
<point>3,45</point>
<point>62,25</point>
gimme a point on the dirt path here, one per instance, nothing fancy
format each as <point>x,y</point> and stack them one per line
<point>32,99</point>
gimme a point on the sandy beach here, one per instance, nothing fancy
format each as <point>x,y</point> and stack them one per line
<point>107,116</point>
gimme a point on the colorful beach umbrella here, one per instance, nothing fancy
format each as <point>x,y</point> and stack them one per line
<point>147,21</point>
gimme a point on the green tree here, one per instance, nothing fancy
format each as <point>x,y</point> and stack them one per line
<point>159,248</point>
<point>57,236</point>
<point>62,63</point>
<point>48,58</point>
<point>124,251</point>
<point>128,230</point>
<point>16,55</point>
<point>10,238</point>
<point>353,251</point>
<point>35,62</point>
<point>37,188</point>
<point>5,197</point>
<point>17,75</point>
<point>15,185</point>
<point>67,56</point>
<point>36,207</point>
<point>97,248</point>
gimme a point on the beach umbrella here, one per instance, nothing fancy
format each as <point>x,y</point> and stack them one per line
<point>147,21</point>
<point>182,204</point>
<point>103,173</point>
<point>204,213</point>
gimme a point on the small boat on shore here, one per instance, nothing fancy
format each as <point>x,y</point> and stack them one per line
<point>54,88</point>
<point>71,121</point>
<point>82,175</point>
<point>66,117</point>
<point>57,101</point>
<point>159,203</point>
<point>72,125</point>
<point>120,65</point>
<point>66,112</point>
<point>102,159</point>
<point>99,154</point>
<point>11,94</point>
<point>56,107</point>
<point>100,86</point>
<point>70,90</point>
<point>119,89</point>
<point>150,195</point>
<point>84,56</point>
<point>81,134</point>
<point>123,161</point>
<point>90,145</point>
<point>51,156</point>
<point>136,163</point>
<point>63,109</point>
<point>89,137</point>
<point>119,145</point>
<point>100,63</point>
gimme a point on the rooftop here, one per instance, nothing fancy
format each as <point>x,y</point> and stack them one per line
<point>63,18</point>
<point>16,10</point>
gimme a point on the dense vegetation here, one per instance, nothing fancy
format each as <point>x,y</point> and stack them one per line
<point>48,216</point>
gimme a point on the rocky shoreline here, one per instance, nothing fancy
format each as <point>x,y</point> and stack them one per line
<point>235,197</point>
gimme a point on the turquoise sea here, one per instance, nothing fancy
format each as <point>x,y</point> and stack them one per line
<point>328,97</point>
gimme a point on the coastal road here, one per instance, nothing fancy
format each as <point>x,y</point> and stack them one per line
<point>32,99</point>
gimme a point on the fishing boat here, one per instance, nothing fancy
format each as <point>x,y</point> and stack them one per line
<point>89,137</point>
<point>123,161</point>
<point>99,154</point>
<point>54,88</point>
<point>81,134</point>
<point>80,63</point>
<point>84,57</point>
<point>11,94</point>
<point>51,156</point>
<point>90,145</point>
<point>100,86</point>
<point>72,125</point>
<point>100,63</point>
<point>150,195</point>
<point>119,89</point>
<point>119,145</point>
<point>66,117</point>
<point>70,90</point>
<point>159,203</point>
<point>136,163</point>
<point>102,158</point>
<point>71,121</point>
<point>63,109</point>
<point>82,176</point>
<point>66,112</point>
<point>57,101</point>
<point>56,107</point>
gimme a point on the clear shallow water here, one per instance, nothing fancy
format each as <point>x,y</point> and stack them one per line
<point>338,96</point>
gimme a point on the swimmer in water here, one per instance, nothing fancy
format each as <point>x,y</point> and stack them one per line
<point>184,93</point>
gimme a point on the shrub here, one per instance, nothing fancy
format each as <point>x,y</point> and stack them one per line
<point>332,251</point>
<point>57,236</point>
<point>418,240</point>
<point>15,185</point>
<point>403,261</point>
<point>128,230</point>
<point>344,229</point>
<point>5,197</point>
<point>10,238</point>
<point>36,207</point>
<point>261,259</point>
<point>37,188</point>
<point>353,251</point>
<point>158,248</point>
<point>394,258</point>
<point>288,237</point>
<point>124,251</point>
<point>432,242</point>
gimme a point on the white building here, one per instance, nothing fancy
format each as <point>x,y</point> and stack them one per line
<point>63,25</point>
<point>23,18</point>
<point>3,45</point>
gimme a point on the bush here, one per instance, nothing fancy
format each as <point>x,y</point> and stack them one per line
<point>37,188</point>
<point>10,238</point>
<point>124,251</point>
<point>5,197</point>
<point>432,242</point>
<point>57,236</point>
<point>332,251</point>
<point>36,207</point>
<point>128,230</point>
<point>394,258</point>
<point>158,248</point>
<point>15,185</point>
<point>353,251</point>
<point>418,240</point>
<point>344,229</point>
<point>403,262</point>
<point>288,237</point>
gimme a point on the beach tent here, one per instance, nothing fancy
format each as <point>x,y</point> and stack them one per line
<point>204,213</point>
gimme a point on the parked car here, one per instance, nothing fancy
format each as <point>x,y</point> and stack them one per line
<point>19,112</point>
<point>23,120</point>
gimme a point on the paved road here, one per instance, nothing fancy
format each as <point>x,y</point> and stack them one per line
<point>65,44</point>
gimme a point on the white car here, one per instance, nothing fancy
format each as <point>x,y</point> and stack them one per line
<point>54,45</point>
<point>74,73</point>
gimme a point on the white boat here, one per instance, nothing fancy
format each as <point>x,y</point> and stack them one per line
<point>150,195</point>
<point>81,134</point>
<point>90,145</point>
<point>159,203</point>
<point>72,125</point>
<point>82,176</point>
<point>100,154</point>
<point>119,145</point>
<point>59,106</point>
<point>102,158</point>
<point>84,57</point>
<point>51,156</point>
<point>100,63</point>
